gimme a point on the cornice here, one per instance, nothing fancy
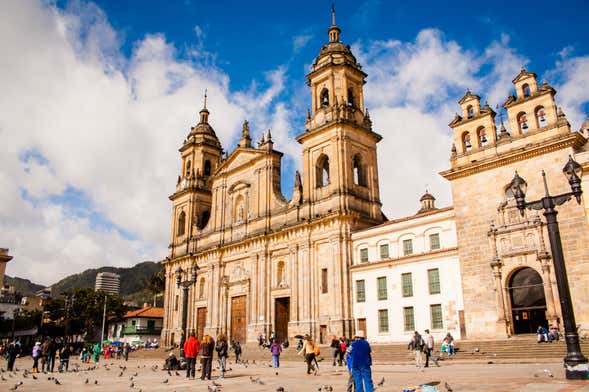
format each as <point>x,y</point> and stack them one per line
<point>406,259</point>
<point>572,139</point>
<point>311,132</point>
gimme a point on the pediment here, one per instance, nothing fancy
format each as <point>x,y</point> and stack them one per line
<point>240,157</point>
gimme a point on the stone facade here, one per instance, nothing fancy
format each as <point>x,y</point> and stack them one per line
<point>266,264</point>
<point>494,241</point>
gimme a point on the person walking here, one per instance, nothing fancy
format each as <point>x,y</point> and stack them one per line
<point>64,358</point>
<point>191,349</point>
<point>361,363</point>
<point>221,347</point>
<point>336,350</point>
<point>36,355</point>
<point>52,350</point>
<point>350,387</point>
<point>96,352</point>
<point>206,357</point>
<point>416,345</point>
<point>275,350</point>
<point>429,348</point>
<point>342,350</point>
<point>308,350</point>
<point>12,351</point>
<point>44,355</point>
<point>126,349</point>
<point>237,351</point>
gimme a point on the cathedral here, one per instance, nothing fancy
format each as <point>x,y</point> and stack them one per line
<point>263,263</point>
<point>256,263</point>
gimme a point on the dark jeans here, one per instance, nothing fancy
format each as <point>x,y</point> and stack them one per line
<point>310,358</point>
<point>206,365</point>
<point>341,357</point>
<point>51,363</point>
<point>36,363</point>
<point>64,363</point>
<point>190,365</point>
<point>11,359</point>
<point>428,355</point>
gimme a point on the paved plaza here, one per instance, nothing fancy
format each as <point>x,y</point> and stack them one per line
<point>292,377</point>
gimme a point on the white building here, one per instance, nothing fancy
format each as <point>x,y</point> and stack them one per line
<point>107,281</point>
<point>140,326</point>
<point>406,276</point>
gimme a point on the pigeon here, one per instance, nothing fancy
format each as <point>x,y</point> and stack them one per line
<point>87,381</point>
<point>178,374</point>
<point>57,382</point>
<point>169,373</point>
<point>381,382</point>
<point>280,389</point>
<point>548,373</point>
<point>252,379</point>
<point>95,382</point>
<point>14,387</point>
<point>135,375</point>
<point>166,381</point>
<point>132,385</point>
<point>34,377</point>
<point>211,389</point>
<point>448,387</point>
<point>3,379</point>
<point>121,374</point>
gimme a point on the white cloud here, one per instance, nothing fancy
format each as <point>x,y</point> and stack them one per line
<point>573,89</point>
<point>108,127</point>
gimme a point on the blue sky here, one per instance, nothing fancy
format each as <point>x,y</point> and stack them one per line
<point>99,95</point>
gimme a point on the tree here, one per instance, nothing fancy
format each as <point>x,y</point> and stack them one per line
<point>85,313</point>
<point>156,284</point>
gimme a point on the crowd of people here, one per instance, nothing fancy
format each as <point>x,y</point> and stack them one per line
<point>55,350</point>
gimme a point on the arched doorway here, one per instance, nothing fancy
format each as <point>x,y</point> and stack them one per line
<point>528,303</point>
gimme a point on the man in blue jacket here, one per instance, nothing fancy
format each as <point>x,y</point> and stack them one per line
<point>361,362</point>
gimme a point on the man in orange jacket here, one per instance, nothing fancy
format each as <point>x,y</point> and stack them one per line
<point>191,349</point>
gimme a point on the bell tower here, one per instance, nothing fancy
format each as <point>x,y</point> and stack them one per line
<point>339,147</point>
<point>200,154</point>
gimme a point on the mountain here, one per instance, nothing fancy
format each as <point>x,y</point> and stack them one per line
<point>23,286</point>
<point>132,288</point>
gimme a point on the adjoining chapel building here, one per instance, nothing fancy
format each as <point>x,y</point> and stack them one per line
<point>266,264</point>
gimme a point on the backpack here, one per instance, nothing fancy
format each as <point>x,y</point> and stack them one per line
<point>316,350</point>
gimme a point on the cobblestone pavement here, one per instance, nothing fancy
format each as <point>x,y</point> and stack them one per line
<point>292,377</point>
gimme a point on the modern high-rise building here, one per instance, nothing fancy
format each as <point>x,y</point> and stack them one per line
<point>107,281</point>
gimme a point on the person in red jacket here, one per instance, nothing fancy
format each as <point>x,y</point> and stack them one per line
<point>191,349</point>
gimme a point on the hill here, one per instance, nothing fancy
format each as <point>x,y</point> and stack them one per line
<point>132,279</point>
<point>23,286</point>
<point>133,286</point>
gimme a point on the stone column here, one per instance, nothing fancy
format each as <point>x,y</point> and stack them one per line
<point>499,299</point>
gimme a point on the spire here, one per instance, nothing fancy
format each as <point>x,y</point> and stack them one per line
<point>204,113</point>
<point>333,31</point>
<point>246,140</point>
<point>333,14</point>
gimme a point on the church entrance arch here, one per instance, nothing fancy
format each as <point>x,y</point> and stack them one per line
<point>528,302</point>
<point>281,318</point>
<point>238,321</point>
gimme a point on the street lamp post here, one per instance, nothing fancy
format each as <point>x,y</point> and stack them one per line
<point>574,362</point>
<point>185,286</point>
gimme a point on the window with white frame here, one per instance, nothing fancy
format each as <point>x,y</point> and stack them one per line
<point>364,255</point>
<point>383,320</point>
<point>381,284</point>
<point>436,314</point>
<point>434,241</point>
<point>360,291</point>
<point>384,251</point>
<point>407,247</point>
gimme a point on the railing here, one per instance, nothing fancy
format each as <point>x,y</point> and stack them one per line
<point>135,330</point>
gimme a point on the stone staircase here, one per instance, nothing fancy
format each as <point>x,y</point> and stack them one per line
<point>520,349</point>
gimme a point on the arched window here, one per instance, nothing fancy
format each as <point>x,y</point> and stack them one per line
<point>188,167</point>
<point>322,171</point>
<point>204,219</point>
<point>324,98</point>
<point>181,223</point>
<point>470,111</point>
<point>201,288</point>
<point>522,120</point>
<point>351,102</point>
<point>280,273</point>
<point>482,135</point>
<point>541,117</point>
<point>359,174</point>
<point>466,141</point>
<point>526,90</point>
<point>207,168</point>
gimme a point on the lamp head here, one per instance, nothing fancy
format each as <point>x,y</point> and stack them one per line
<point>573,171</point>
<point>518,187</point>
